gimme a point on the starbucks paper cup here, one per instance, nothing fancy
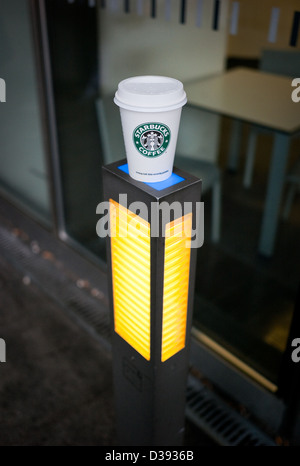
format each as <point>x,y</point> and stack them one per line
<point>150,108</point>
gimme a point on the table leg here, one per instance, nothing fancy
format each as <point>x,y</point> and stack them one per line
<point>234,147</point>
<point>274,192</point>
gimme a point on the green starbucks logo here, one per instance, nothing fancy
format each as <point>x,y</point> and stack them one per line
<point>151,139</point>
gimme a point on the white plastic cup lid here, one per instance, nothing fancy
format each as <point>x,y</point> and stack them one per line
<point>150,94</point>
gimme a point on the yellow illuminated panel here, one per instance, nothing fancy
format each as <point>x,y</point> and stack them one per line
<point>176,284</point>
<point>130,255</point>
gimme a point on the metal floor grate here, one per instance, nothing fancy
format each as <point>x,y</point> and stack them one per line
<point>226,426</point>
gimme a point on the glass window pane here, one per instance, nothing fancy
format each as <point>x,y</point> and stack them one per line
<point>72,32</point>
<point>243,302</point>
<point>23,174</point>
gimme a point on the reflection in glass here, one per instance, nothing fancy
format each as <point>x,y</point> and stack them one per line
<point>72,30</point>
<point>23,174</point>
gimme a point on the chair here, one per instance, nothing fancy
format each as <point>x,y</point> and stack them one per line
<point>188,157</point>
<point>186,154</point>
<point>110,128</point>
<point>282,62</point>
<point>293,180</point>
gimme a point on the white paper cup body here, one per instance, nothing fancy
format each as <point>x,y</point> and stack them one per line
<point>150,161</point>
<point>150,124</point>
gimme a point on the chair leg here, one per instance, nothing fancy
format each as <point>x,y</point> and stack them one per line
<point>250,159</point>
<point>216,212</point>
<point>234,147</point>
<point>289,200</point>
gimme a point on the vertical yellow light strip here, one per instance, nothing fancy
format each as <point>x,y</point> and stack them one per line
<point>130,255</point>
<point>176,285</point>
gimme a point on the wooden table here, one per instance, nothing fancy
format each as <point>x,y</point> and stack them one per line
<point>264,100</point>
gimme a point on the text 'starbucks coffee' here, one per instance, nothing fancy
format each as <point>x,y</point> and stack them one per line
<point>152,139</point>
<point>150,108</point>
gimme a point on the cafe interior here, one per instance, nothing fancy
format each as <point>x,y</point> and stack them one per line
<point>239,61</point>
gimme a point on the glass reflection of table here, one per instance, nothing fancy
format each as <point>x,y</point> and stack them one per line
<point>264,100</point>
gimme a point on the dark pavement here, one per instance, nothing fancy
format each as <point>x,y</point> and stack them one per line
<point>55,385</point>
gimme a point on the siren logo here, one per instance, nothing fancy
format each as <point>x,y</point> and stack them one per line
<point>151,139</point>
<point>2,350</point>
<point>2,90</point>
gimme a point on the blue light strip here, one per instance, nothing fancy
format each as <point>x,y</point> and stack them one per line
<point>159,185</point>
